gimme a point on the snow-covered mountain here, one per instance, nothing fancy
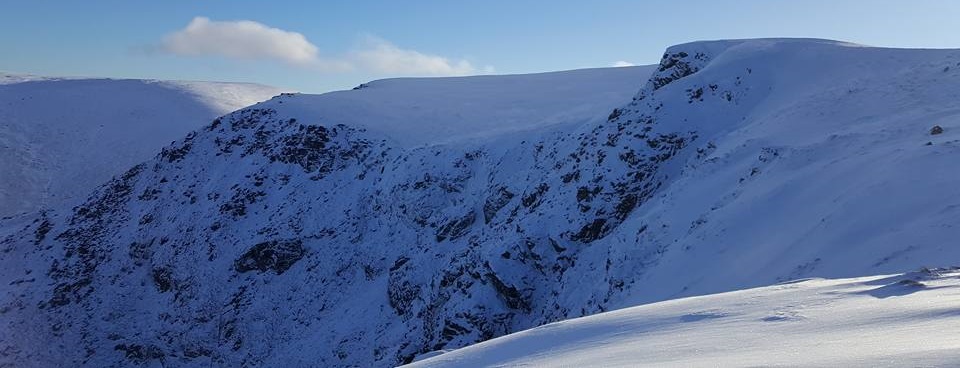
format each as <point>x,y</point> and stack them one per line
<point>61,137</point>
<point>366,228</point>
<point>905,320</point>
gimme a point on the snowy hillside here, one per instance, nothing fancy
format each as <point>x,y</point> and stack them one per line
<point>61,137</point>
<point>414,112</point>
<point>372,230</point>
<point>907,320</point>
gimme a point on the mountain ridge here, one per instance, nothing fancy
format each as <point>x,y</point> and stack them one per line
<point>273,237</point>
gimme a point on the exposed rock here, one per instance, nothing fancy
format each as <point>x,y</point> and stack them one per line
<point>275,255</point>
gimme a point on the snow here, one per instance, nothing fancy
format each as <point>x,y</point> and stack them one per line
<point>405,229</point>
<point>417,112</point>
<point>827,172</point>
<point>891,320</point>
<point>60,137</point>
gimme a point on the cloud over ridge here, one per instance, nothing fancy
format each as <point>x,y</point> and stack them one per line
<point>382,56</point>
<point>242,39</point>
<point>246,39</point>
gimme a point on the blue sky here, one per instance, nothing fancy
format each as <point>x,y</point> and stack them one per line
<point>317,46</point>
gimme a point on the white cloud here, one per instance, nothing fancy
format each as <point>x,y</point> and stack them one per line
<point>622,63</point>
<point>242,39</point>
<point>246,39</point>
<point>381,56</point>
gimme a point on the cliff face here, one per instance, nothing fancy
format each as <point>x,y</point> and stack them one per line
<point>279,236</point>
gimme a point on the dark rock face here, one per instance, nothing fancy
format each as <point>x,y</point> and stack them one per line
<point>41,232</point>
<point>497,201</point>
<point>936,130</point>
<point>677,65</point>
<point>456,228</point>
<point>305,148</point>
<point>533,199</point>
<point>510,295</point>
<point>276,255</point>
<point>163,279</point>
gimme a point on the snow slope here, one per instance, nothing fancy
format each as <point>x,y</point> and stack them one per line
<point>61,137</point>
<point>881,321</point>
<point>291,234</point>
<point>416,112</point>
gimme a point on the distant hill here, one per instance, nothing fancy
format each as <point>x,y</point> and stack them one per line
<point>61,137</point>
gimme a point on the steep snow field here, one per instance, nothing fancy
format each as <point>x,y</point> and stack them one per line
<point>61,137</point>
<point>370,227</point>
<point>905,320</point>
